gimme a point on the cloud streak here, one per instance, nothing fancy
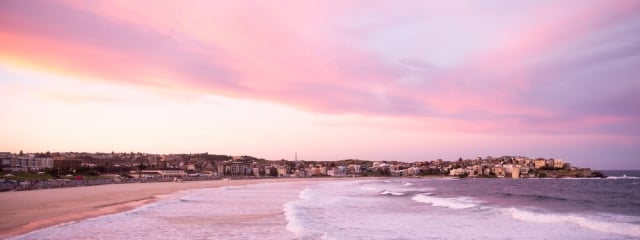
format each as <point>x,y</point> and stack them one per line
<point>548,67</point>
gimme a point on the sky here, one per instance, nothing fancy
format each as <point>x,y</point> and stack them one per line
<point>376,80</point>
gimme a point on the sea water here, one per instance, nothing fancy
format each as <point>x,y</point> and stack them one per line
<point>394,208</point>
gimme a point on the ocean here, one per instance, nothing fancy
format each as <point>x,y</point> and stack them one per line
<point>391,208</point>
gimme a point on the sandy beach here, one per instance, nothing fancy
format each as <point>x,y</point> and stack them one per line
<point>26,211</point>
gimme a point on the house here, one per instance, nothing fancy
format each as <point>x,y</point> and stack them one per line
<point>540,163</point>
<point>282,171</point>
<point>558,163</point>
<point>457,172</point>
<point>499,171</point>
<point>5,160</point>
<point>516,172</point>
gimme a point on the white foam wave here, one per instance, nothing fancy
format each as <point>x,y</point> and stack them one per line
<point>622,177</point>
<point>368,188</point>
<point>387,192</point>
<point>305,194</point>
<point>407,184</point>
<point>293,222</point>
<point>453,203</point>
<point>295,217</point>
<point>594,224</point>
<point>580,178</point>
<point>190,198</point>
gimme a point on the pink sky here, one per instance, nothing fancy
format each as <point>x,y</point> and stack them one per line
<point>377,80</point>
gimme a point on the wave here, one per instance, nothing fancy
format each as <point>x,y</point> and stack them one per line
<point>305,194</point>
<point>578,178</point>
<point>296,217</point>
<point>622,177</point>
<point>190,199</point>
<point>453,203</point>
<point>195,195</point>
<point>604,225</point>
<point>368,188</point>
<point>535,197</point>
<point>293,222</point>
<point>407,184</point>
<point>387,192</point>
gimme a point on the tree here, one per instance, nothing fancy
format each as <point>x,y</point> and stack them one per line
<point>21,153</point>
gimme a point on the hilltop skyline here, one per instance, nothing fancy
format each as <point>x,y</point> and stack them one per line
<point>373,80</point>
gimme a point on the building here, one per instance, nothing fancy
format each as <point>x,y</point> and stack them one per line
<point>158,173</point>
<point>234,169</point>
<point>558,164</point>
<point>29,163</point>
<point>190,167</point>
<point>315,171</point>
<point>508,169</point>
<point>412,171</point>
<point>282,171</point>
<point>499,171</point>
<point>67,164</point>
<point>5,160</point>
<point>457,172</point>
<point>515,173</point>
<point>540,163</point>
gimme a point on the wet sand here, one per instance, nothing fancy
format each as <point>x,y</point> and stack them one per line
<point>27,211</point>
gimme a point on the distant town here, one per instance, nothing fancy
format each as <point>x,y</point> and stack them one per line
<point>59,168</point>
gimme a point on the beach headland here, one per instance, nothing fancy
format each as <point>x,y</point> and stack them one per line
<point>26,211</point>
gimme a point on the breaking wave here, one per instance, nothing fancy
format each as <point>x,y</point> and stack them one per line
<point>453,203</point>
<point>368,188</point>
<point>622,177</point>
<point>601,225</point>
<point>387,192</point>
<point>297,218</point>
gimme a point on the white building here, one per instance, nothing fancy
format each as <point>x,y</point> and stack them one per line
<point>31,163</point>
<point>457,172</point>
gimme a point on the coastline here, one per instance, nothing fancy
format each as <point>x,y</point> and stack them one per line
<point>27,211</point>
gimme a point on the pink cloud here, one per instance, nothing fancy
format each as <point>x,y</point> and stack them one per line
<point>312,55</point>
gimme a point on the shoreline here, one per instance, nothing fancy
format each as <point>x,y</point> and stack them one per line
<point>27,211</point>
